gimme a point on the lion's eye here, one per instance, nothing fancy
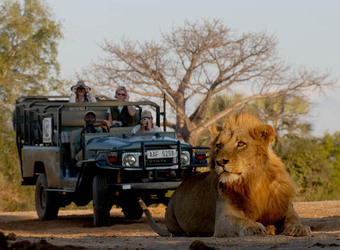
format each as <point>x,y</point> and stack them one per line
<point>218,145</point>
<point>241,144</point>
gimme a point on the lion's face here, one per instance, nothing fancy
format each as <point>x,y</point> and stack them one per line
<point>240,151</point>
<point>233,151</point>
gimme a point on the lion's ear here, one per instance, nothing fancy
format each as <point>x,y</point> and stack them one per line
<point>264,133</point>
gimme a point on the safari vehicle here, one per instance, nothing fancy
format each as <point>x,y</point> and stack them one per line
<point>117,167</point>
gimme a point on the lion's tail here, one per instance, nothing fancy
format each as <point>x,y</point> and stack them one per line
<point>159,230</point>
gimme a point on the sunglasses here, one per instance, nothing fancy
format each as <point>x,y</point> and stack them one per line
<point>121,94</point>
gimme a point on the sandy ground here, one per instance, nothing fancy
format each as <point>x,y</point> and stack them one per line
<point>74,227</point>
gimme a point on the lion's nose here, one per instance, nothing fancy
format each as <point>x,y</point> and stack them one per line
<point>222,162</point>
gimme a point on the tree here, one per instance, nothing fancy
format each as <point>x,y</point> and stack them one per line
<point>28,52</point>
<point>193,63</point>
<point>28,66</point>
<point>284,113</point>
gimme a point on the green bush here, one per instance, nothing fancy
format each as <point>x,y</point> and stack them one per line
<point>312,166</point>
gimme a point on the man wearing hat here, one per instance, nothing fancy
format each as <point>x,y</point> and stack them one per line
<point>81,93</point>
<point>146,124</point>
<point>90,119</point>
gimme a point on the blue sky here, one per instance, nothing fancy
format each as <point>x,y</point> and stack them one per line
<point>307,30</point>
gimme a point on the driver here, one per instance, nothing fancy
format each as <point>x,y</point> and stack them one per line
<point>90,119</point>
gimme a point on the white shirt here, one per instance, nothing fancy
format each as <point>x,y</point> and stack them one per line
<point>154,129</point>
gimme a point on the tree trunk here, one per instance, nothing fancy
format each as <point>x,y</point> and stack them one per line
<point>182,130</point>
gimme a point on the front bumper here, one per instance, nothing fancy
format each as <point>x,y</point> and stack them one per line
<point>146,186</point>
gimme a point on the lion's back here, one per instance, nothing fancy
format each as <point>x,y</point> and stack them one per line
<point>191,210</point>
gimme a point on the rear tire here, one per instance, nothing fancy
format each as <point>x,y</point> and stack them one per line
<point>101,201</point>
<point>46,202</point>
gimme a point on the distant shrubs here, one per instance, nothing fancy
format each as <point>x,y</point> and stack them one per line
<point>314,164</point>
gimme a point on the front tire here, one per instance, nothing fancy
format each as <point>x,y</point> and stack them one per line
<point>46,202</point>
<point>101,201</point>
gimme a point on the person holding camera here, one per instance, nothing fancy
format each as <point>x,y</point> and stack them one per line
<point>81,93</point>
<point>146,124</point>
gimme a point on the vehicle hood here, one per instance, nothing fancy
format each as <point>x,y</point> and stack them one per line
<point>129,141</point>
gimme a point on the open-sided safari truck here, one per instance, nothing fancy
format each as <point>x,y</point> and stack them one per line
<point>117,166</point>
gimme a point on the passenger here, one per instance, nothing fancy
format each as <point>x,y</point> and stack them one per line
<point>121,116</point>
<point>80,94</point>
<point>90,119</point>
<point>146,124</point>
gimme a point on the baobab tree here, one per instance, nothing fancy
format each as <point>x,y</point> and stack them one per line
<point>193,63</point>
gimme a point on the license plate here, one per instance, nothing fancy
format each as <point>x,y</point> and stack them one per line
<point>163,153</point>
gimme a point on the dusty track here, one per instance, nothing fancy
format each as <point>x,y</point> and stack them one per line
<point>74,227</point>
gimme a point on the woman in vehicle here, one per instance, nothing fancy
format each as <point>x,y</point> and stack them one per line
<point>121,116</point>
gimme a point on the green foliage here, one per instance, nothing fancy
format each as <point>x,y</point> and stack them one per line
<point>284,113</point>
<point>221,102</point>
<point>331,144</point>
<point>309,164</point>
<point>28,52</point>
<point>15,197</point>
<point>28,66</point>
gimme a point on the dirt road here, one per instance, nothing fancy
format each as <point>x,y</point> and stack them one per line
<point>75,228</point>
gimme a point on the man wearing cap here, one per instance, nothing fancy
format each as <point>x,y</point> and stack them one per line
<point>121,116</point>
<point>90,119</point>
<point>81,93</point>
<point>146,124</point>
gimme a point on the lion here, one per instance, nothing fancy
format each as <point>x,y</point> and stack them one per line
<point>246,190</point>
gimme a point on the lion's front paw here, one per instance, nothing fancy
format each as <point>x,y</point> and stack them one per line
<point>297,230</point>
<point>254,228</point>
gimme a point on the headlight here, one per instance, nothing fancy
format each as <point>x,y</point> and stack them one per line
<point>185,159</point>
<point>129,160</point>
